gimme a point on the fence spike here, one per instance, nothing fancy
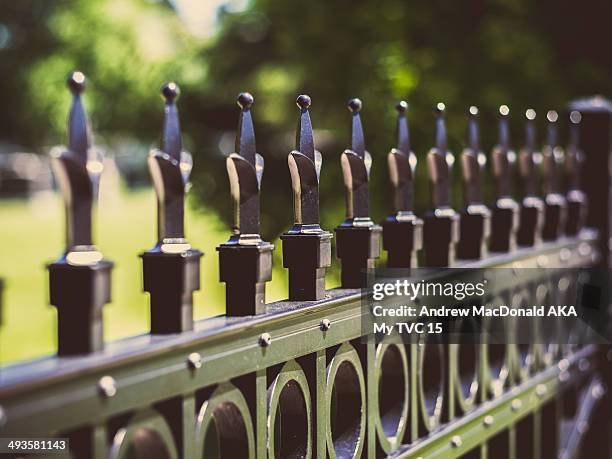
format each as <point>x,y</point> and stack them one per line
<point>245,260</point>
<point>555,210</point>
<point>532,206</point>
<point>402,231</point>
<point>358,238</point>
<point>441,223</point>
<point>79,282</point>
<point>504,216</point>
<point>475,216</point>
<point>576,198</point>
<point>171,269</point>
<point>306,247</point>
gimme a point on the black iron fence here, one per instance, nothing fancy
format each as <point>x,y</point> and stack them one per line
<point>302,378</point>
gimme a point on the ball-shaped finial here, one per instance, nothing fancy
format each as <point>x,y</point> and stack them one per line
<point>439,108</point>
<point>355,105</point>
<point>575,117</point>
<point>303,102</point>
<point>245,100</point>
<point>473,111</point>
<point>504,110</point>
<point>552,116</point>
<point>170,91</point>
<point>530,114</point>
<point>76,82</point>
<point>402,106</point>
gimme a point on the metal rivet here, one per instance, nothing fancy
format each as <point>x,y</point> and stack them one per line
<point>584,364</point>
<point>598,391</point>
<point>265,339</point>
<point>564,376</point>
<point>488,421</point>
<point>563,364</point>
<point>584,249</point>
<point>565,255</point>
<point>107,386</point>
<point>2,416</point>
<point>325,325</point>
<point>516,404</point>
<point>456,441</point>
<point>541,390</point>
<point>194,361</point>
<point>542,261</point>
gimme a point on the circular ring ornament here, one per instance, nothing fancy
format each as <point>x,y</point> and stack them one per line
<point>146,436</point>
<point>345,395</point>
<point>392,380</point>
<point>289,394</point>
<point>227,412</point>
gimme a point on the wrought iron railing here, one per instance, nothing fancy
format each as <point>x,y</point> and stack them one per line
<point>302,377</point>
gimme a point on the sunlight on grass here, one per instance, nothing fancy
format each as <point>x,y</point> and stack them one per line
<point>32,233</point>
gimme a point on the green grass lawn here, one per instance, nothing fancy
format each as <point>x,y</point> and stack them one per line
<point>32,235</point>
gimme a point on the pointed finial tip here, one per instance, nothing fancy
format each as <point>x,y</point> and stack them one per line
<point>439,108</point>
<point>303,101</point>
<point>575,117</point>
<point>504,110</point>
<point>530,114</point>
<point>170,91</point>
<point>245,100</point>
<point>473,111</point>
<point>402,106</point>
<point>355,105</point>
<point>76,82</point>
<point>552,116</point>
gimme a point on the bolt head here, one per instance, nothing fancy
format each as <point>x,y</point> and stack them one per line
<point>456,441</point>
<point>541,390</point>
<point>107,386</point>
<point>488,421</point>
<point>516,404</point>
<point>194,361</point>
<point>325,324</point>
<point>265,340</point>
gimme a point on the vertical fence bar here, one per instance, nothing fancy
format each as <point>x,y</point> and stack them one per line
<point>555,204</point>
<point>402,231</point>
<point>306,247</point>
<point>504,218</point>
<point>532,206</point>
<point>475,224</point>
<point>171,269</point>
<point>245,260</point>
<point>358,237</point>
<point>596,142</point>
<point>80,281</point>
<point>441,223</point>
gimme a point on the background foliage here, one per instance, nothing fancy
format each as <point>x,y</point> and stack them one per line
<point>484,52</point>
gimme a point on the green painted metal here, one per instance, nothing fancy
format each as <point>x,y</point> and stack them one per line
<point>181,392</point>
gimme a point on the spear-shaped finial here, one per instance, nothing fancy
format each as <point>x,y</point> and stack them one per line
<point>552,116</point>
<point>357,140</point>
<point>171,133</point>
<point>504,130</point>
<point>403,134</point>
<point>79,134</point>
<point>473,140</point>
<point>530,130</point>
<point>441,142</point>
<point>245,137</point>
<point>304,142</point>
